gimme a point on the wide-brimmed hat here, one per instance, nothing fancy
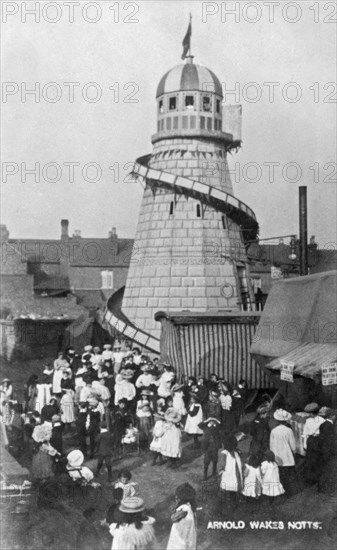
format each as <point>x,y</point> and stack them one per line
<point>177,387</point>
<point>132,505</point>
<point>42,432</point>
<point>212,419</point>
<point>324,411</point>
<point>88,348</point>
<point>107,346</point>
<point>5,380</point>
<point>92,401</point>
<point>264,408</point>
<point>75,458</point>
<point>172,415</point>
<point>146,392</point>
<point>311,407</point>
<point>282,416</point>
<point>147,367</point>
<point>127,374</point>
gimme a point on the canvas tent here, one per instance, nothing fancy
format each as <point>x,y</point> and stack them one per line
<point>298,325</point>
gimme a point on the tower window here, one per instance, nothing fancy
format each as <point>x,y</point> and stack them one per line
<point>192,121</point>
<point>215,124</point>
<point>218,105</point>
<point>175,123</point>
<point>219,125</point>
<point>172,103</point>
<point>189,101</point>
<point>224,222</point>
<point>161,106</point>
<point>209,123</point>
<point>202,122</point>
<point>198,211</point>
<point>185,122</point>
<point>171,208</point>
<point>206,103</point>
<point>158,126</point>
<point>168,123</point>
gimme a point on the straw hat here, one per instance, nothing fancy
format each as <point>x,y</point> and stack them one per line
<point>211,419</point>
<point>324,411</point>
<point>92,401</point>
<point>177,387</point>
<point>42,432</point>
<point>88,348</point>
<point>107,346</point>
<point>311,407</point>
<point>127,374</point>
<point>172,415</point>
<point>132,505</point>
<point>75,458</point>
<point>146,392</point>
<point>282,416</point>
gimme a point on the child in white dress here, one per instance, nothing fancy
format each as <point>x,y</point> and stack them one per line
<point>252,486</point>
<point>157,433</point>
<point>271,485</point>
<point>178,399</point>
<point>231,473</point>
<point>194,418</point>
<point>171,439</point>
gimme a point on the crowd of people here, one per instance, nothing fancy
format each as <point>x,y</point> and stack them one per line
<point>101,401</point>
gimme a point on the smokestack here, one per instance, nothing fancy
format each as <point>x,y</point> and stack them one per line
<point>4,233</point>
<point>303,216</point>
<point>64,229</point>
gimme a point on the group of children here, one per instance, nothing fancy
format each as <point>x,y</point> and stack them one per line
<point>258,476</point>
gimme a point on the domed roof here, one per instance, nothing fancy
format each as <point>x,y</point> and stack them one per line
<point>189,76</point>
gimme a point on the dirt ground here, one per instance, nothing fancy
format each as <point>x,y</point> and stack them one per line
<point>157,485</point>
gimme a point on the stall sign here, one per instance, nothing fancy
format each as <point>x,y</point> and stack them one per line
<point>287,371</point>
<point>329,374</point>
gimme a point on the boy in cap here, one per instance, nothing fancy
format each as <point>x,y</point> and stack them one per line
<point>211,443</point>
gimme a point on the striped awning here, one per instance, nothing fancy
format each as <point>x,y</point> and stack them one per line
<point>308,359</point>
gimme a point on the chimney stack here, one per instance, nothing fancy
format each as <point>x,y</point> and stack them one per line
<point>4,233</point>
<point>303,215</point>
<point>64,229</point>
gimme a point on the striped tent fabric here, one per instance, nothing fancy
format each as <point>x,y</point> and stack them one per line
<point>202,348</point>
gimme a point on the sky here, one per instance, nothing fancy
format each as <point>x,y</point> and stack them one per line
<point>95,67</point>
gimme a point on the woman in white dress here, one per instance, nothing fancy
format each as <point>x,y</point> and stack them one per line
<point>194,418</point>
<point>59,365</point>
<point>183,535</point>
<point>67,407</point>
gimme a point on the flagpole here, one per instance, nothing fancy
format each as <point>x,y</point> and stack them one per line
<point>191,34</point>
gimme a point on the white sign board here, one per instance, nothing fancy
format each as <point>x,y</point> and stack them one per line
<point>329,374</point>
<point>287,371</point>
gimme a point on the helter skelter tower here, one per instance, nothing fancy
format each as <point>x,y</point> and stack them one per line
<point>189,249</point>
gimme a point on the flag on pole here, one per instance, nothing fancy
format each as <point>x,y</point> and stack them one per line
<point>187,40</point>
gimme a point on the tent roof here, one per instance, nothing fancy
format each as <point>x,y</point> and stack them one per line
<point>308,359</point>
<point>298,310</point>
